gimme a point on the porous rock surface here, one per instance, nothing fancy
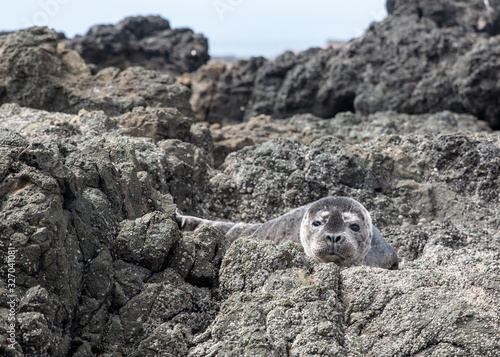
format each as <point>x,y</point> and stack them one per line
<point>101,267</point>
<point>88,193</point>
<point>356,128</point>
<point>426,56</point>
<point>100,263</point>
<point>39,71</point>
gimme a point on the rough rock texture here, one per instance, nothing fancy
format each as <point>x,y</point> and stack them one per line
<point>219,89</point>
<point>426,56</point>
<point>39,72</point>
<point>444,177</point>
<point>355,128</point>
<point>148,41</point>
<point>87,201</point>
<point>288,307</point>
<point>89,211</point>
<point>101,267</point>
<point>436,197</point>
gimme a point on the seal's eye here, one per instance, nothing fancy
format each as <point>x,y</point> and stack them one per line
<point>354,227</point>
<point>316,223</point>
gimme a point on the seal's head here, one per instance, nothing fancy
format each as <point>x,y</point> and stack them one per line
<point>336,229</point>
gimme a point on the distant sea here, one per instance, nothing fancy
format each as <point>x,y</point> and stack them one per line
<point>242,49</point>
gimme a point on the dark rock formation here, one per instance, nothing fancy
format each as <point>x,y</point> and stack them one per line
<point>88,210</point>
<point>286,173</point>
<point>236,92</point>
<point>87,200</point>
<point>390,5</point>
<point>426,56</point>
<point>219,89</point>
<point>37,71</point>
<point>477,80</point>
<point>149,42</point>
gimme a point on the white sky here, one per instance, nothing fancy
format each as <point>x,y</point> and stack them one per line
<point>233,27</point>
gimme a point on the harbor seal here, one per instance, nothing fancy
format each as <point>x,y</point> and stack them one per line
<point>332,229</point>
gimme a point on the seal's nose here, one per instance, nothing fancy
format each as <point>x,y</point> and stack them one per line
<point>334,239</point>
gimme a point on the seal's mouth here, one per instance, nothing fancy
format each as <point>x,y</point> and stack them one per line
<point>337,257</point>
<point>330,258</point>
<point>331,254</point>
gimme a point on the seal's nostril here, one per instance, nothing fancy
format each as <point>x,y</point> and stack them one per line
<point>334,239</point>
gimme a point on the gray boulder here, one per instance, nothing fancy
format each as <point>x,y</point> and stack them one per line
<point>38,71</point>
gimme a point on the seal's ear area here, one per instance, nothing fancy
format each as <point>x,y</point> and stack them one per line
<point>381,254</point>
<point>394,266</point>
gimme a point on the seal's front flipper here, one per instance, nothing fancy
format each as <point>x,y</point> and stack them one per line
<point>188,223</point>
<point>381,254</point>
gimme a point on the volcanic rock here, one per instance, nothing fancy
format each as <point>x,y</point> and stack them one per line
<point>87,202</point>
<point>39,72</point>
<point>425,57</point>
<point>148,41</point>
<point>94,264</point>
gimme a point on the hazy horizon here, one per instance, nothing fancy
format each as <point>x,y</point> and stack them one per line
<point>237,28</point>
